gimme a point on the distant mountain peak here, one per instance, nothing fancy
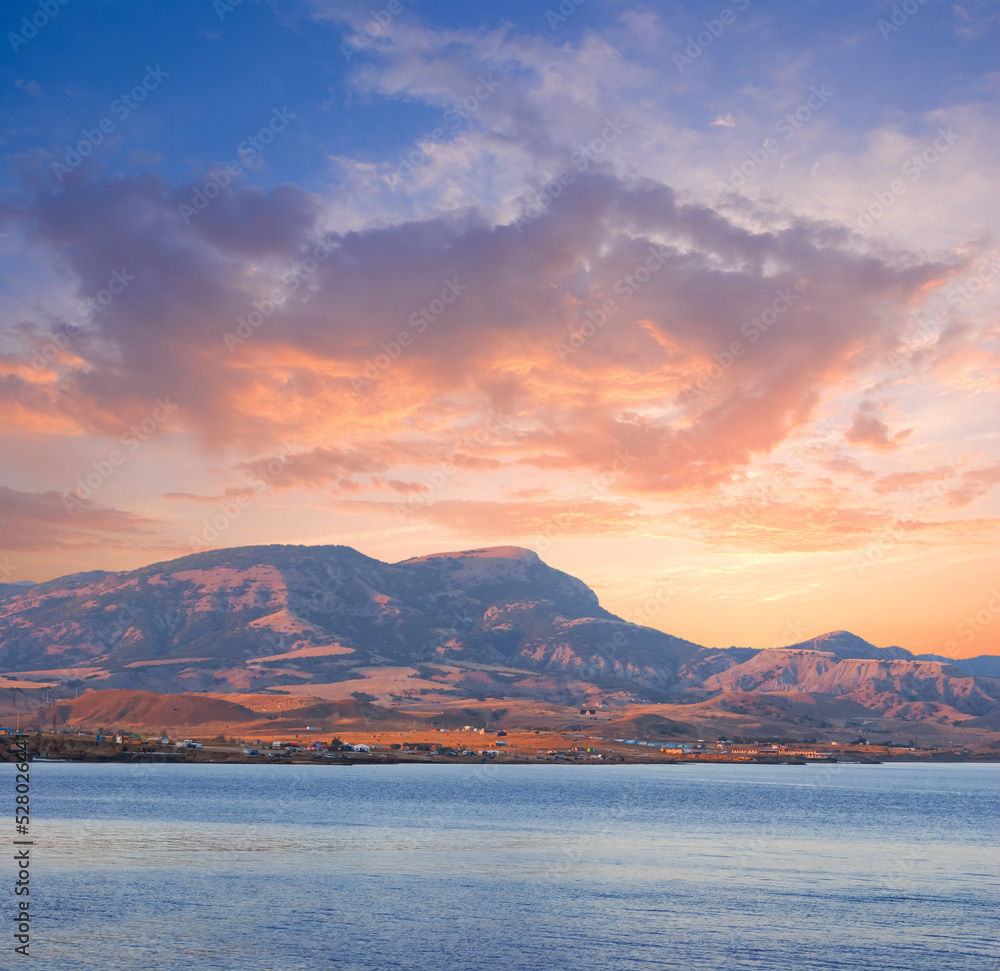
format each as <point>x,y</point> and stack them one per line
<point>846,645</point>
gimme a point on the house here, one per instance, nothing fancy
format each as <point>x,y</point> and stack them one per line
<point>684,748</point>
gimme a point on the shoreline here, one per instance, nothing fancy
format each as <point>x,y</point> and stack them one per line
<point>170,758</point>
<point>458,748</point>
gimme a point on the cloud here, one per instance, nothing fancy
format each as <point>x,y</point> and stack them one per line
<point>628,321</point>
<point>543,522</point>
<point>780,515</point>
<point>228,494</point>
<point>139,158</point>
<point>869,431</point>
<point>973,484</point>
<point>623,320</point>
<point>39,521</point>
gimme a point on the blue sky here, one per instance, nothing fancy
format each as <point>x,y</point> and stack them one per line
<point>226,73</point>
<point>827,472</point>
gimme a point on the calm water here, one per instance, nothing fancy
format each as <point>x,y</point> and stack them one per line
<point>511,867</point>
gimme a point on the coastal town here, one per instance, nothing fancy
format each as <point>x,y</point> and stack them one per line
<point>467,745</point>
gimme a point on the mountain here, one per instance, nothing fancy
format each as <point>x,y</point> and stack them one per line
<point>327,624</point>
<point>844,644</point>
<point>985,665</point>
<point>14,588</point>
<point>259,617</point>
<point>890,688</point>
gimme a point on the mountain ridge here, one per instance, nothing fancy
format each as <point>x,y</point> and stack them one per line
<point>493,622</point>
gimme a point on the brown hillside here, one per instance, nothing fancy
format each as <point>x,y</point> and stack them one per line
<point>210,714</point>
<point>146,709</point>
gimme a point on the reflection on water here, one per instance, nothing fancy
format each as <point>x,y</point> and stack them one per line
<point>431,867</point>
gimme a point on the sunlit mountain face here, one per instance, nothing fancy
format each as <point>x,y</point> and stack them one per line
<point>701,307</point>
<point>444,631</point>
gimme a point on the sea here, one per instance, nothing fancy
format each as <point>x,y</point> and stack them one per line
<point>500,867</point>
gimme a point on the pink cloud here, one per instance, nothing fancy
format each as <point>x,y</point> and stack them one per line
<point>676,356</point>
<point>32,521</point>
<point>869,431</point>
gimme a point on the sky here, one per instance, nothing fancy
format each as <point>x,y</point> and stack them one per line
<point>698,301</point>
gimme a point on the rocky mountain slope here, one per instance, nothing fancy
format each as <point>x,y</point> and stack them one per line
<point>327,622</point>
<point>258,617</point>
<point>891,688</point>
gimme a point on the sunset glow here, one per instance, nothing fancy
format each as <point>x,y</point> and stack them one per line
<point>713,327</point>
